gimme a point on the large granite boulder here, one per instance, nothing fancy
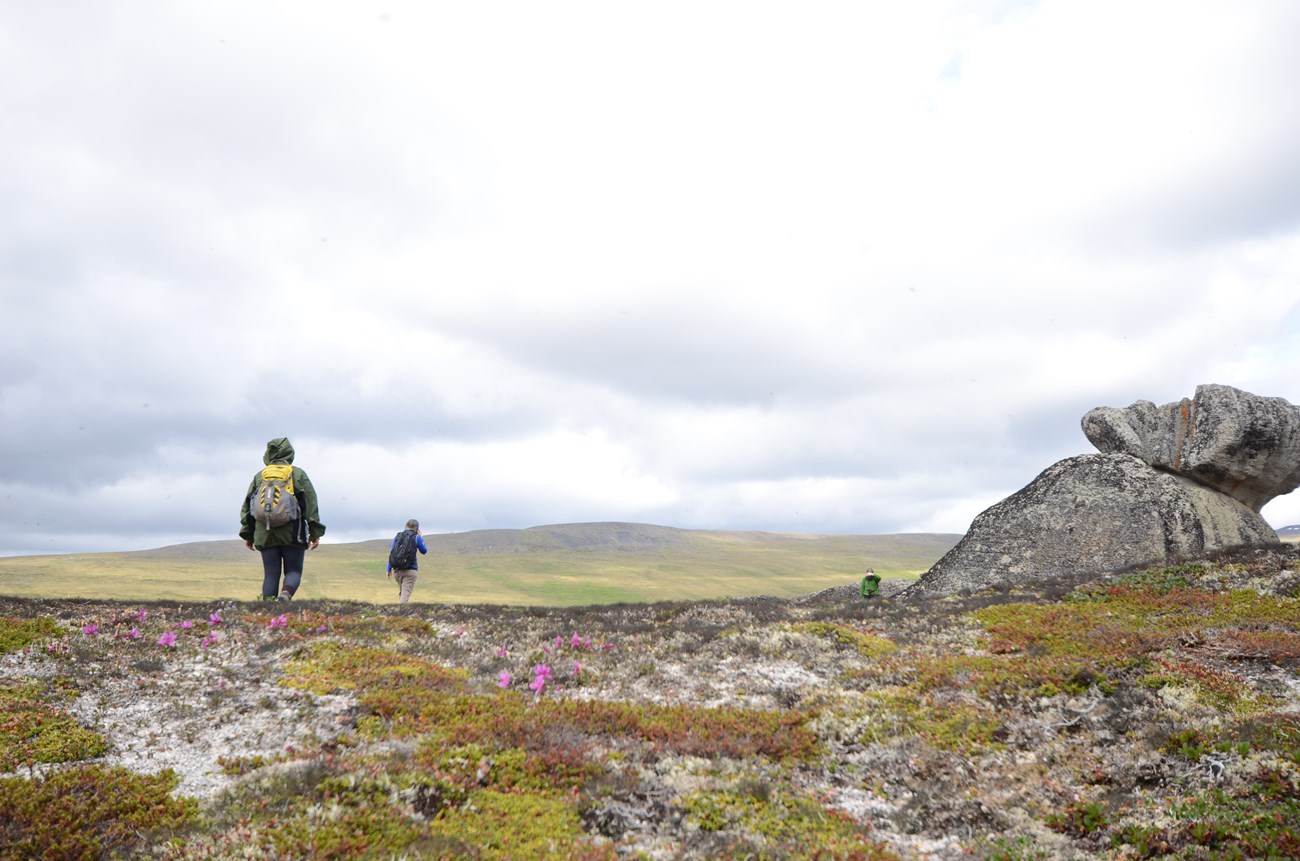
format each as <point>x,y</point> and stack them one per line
<point>1090,514</point>
<point>1171,482</point>
<point>1240,444</point>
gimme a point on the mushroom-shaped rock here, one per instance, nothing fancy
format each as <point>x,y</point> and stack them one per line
<point>1240,444</point>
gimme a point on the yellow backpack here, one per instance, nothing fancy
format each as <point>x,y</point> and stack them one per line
<point>273,502</point>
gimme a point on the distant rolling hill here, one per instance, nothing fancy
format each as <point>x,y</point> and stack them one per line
<point>558,565</point>
<point>1288,533</point>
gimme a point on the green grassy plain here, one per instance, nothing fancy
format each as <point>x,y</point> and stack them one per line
<point>555,566</point>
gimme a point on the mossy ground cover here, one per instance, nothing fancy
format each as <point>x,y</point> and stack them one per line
<point>438,761</point>
<point>1187,629</point>
<point>1150,715</point>
<point>87,813</point>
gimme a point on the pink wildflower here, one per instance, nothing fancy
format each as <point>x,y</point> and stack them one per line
<point>577,669</point>
<point>167,639</point>
<point>281,621</point>
<point>501,652</point>
<point>142,614</point>
<point>210,640</point>
<point>90,630</point>
<point>187,624</point>
<point>503,680</point>
<point>541,675</point>
<point>215,619</point>
<point>133,634</point>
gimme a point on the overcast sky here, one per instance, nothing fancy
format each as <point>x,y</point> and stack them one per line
<point>800,267</point>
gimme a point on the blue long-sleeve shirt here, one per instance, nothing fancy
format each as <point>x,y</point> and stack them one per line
<point>419,545</point>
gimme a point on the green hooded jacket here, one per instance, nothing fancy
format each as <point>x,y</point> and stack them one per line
<point>870,585</point>
<point>280,450</point>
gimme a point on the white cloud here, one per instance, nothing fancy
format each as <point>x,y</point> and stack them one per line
<point>841,267</point>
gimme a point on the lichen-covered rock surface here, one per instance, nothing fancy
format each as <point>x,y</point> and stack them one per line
<point>1153,713</point>
<point>1240,444</point>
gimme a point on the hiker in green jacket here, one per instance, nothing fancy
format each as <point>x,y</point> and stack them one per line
<point>283,544</point>
<point>870,584</point>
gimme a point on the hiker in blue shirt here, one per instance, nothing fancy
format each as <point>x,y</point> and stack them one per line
<point>402,564</point>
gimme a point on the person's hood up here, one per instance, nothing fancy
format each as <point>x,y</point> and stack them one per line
<point>278,450</point>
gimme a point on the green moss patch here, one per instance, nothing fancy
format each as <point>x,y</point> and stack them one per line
<point>88,813</point>
<point>757,822</point>
<point>863,642</point>
<point>499,826</point>
<point>32,730</point>
<point>1259,818</point>
<point>18,634</point>
<point>963,726</point>
<point>1122,620</point>
<point>411,696</point>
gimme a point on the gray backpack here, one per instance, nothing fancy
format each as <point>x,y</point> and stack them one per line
<point>273,502</point>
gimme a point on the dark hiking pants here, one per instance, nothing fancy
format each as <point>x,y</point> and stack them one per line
<point>276,560</point>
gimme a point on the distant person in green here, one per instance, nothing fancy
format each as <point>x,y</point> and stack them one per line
<point>402,563</point>
<point>870,584</point>
<point>283,545</point>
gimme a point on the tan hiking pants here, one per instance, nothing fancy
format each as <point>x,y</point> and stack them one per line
<point>405,578</point>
